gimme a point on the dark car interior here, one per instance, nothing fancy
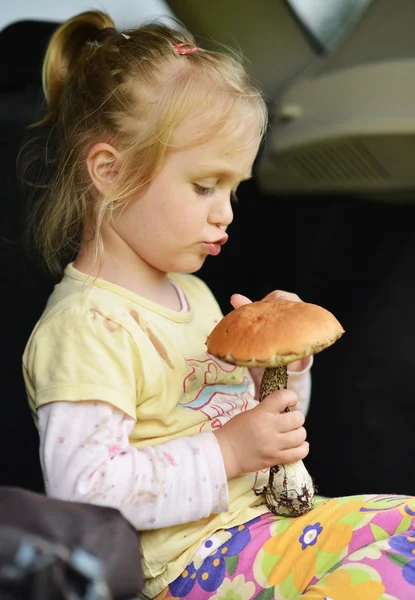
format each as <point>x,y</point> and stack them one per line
<point>329,215</point>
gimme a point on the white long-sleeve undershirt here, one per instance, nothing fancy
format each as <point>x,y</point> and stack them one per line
<point>86,456</point>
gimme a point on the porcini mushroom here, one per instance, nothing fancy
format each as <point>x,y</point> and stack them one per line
<point>272,334</point>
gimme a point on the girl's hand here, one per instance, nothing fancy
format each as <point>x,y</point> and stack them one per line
<point>264,436</point>
<point>238,300</point>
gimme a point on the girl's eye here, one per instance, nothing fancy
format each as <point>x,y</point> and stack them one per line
<point>203,191</point>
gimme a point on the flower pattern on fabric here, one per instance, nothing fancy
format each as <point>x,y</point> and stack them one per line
<point>213,570</point>
<point>310,535</point>
<point>370,552</point>
<point>312,555</point>
<point>238,589</point>
<point>405,545</point>
<point>210,546</point>
<point>389,503</point>
<point>329,536</point>
<point>352,583</point>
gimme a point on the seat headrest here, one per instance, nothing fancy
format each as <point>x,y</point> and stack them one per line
<point>22,48</point>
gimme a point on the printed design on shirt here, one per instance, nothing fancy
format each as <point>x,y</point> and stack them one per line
<point>260,480</point>
<point>216,389</point>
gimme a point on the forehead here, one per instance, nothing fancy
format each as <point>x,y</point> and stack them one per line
<point>240,126</point>
<point>209,144</point>
<point>219,157</point>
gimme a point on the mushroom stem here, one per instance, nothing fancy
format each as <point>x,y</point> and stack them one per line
<point>274,378</point>
<point>290,488</point>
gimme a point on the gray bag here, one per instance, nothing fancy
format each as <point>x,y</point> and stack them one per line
<point>57,550</point>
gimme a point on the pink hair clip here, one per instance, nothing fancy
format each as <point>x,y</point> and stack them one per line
<point>185,48</point>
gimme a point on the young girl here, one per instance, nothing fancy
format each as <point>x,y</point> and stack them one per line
<point>148,137</point>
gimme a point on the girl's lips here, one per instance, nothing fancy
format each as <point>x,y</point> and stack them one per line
<point>212,248</point>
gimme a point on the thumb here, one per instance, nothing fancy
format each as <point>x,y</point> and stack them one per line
<point>283,295</point>
<point>279,400</point>
<point>238,300</point>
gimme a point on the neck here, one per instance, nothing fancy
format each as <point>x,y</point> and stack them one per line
<point>120,265</point>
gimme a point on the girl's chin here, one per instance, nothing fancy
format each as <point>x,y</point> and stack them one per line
<point>189,266</point>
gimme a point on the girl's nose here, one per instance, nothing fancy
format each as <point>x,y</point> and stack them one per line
<point>222,212</point>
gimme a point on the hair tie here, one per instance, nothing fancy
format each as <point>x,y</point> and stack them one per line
<point>186,48</point>
<point>106,33</point>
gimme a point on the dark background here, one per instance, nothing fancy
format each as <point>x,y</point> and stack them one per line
<point>350,255</point>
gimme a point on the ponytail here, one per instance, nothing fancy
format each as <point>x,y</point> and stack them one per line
<point>65,52</point>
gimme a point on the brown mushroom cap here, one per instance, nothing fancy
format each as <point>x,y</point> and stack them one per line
<point>273,333</point>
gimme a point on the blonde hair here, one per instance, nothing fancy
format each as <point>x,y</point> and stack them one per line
<point>131,90</point>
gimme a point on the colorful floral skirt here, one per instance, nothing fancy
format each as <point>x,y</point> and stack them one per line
<point>354,548</point>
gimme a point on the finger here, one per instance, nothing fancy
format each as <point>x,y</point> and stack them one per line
<point>292,439</point>
<point>293,454</point>
<point>290,421</point>
<point>278,401</point>
<point>238,300</point>
<point>283,295</point>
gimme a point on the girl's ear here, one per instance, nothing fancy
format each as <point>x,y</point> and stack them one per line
<point>103,163</point>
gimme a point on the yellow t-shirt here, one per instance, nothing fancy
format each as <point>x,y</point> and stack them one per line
<point>99,341</point>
